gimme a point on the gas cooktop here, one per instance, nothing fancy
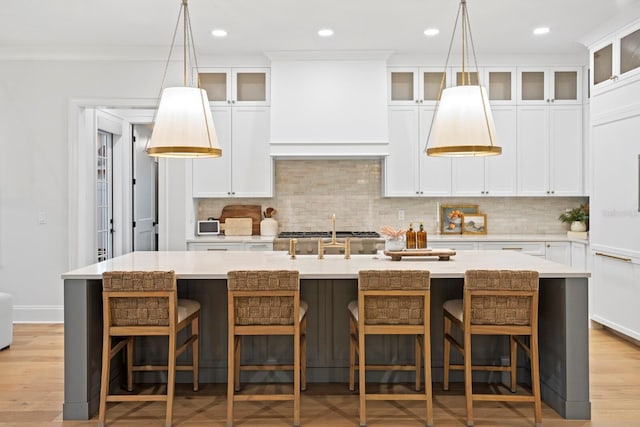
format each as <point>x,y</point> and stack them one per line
<point>327,234</point>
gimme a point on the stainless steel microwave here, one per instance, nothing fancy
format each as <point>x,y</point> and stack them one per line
<point>210,226</point>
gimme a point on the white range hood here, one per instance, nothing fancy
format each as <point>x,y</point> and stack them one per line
<point>329,104</point>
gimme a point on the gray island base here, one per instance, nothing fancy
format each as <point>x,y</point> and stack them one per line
<point>328,285</point>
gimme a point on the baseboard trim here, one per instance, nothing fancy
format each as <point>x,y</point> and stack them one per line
<point>38,314</point>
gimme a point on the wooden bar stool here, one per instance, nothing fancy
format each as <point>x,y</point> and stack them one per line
<point>145,303</point>
<point>391,302</point>
<point>264,302</point>
<point>495,302</point>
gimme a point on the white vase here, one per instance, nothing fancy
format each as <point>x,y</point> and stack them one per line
<point>268,227</point>
<point>578,226</point>
<point>394,243</point>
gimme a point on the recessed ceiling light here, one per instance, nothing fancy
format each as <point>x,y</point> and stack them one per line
<point>541,30</point>
<point>219,33</point>
<point>431,32</point>
<point>325,32</point>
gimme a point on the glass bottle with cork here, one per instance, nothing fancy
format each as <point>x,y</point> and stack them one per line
<point>421,237</point>
<point>411,237</point>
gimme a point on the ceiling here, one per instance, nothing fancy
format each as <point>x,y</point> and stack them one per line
<point>256,26</point>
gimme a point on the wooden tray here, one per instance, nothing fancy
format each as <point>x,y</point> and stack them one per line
<point>243,211</point>
<point>442,254</point>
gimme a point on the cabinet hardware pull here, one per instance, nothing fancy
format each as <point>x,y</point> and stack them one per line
<point>614,257</point>
<point>511,249</point>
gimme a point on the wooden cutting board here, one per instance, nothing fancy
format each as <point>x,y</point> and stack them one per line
<point>244,211</point>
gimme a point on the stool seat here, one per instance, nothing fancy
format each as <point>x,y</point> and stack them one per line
<point>6,320</point>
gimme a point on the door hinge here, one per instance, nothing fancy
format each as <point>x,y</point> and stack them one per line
<point>134,224</point>
<point>133,181</point>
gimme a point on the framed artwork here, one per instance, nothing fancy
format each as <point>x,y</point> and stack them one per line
<point>451,217</point>
<point>474,224</point>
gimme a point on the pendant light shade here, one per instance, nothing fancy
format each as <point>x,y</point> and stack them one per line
<point>184,126</point>
<point>463,124</point>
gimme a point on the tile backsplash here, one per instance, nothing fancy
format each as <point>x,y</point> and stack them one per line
<point>308,192</point>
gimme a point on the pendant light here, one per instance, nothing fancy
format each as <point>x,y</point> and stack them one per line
<point>462,123</point>
<point>183,125</point>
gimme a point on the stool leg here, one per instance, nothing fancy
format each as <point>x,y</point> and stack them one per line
<point>468,380</point>
<point>428,389</point>
<point>130,345</point>
<point>231,362</point>
<point>236,369</point>
<point>361,376</point>
<point>171,379</point>
<point>446,351</point>
<point>513,362</point>
<point>417,356</point>
<point>195,349</point>
<point>352,353</point>
<point>104,380</point>
<point>535,378</point>
<point>296,376</point>
<point>303,352</point>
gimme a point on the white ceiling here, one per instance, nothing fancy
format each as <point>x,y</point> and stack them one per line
<point>256,26</point>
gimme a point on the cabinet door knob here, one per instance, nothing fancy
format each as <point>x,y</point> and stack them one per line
<point>553,191</point>
<point>417,101</point>
<point>233,101</point>
<point>553,100</point>
<point>228,101</point>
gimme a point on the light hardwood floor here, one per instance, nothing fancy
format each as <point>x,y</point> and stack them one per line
<point>31,394</point>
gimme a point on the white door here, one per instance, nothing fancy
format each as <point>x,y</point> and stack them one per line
<point>145,190</point>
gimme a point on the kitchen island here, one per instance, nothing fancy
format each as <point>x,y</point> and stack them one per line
<point>328,285</point>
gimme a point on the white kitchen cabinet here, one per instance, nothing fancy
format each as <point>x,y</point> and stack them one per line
<point>245,168</point>
<point>579,256</point>
<point>559,252</point>
<point>215,246</point>
<point>549,86</point>
<point>616,292</point>
<point>258,246</point>
<point>416,85</point>
<point>236,86</point>
<point>531,248</point>
<point>615,59</point>
<point>457,246</point>
<point>550,150</point>
<point>408,171</point>
<point>492,175</point>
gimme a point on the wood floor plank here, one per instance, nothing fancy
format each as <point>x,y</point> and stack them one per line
<point>32,384</point>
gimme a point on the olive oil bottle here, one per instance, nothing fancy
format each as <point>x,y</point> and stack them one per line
<point>421,237</point>
<point>411,237</point>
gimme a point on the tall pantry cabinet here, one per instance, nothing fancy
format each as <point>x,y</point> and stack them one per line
<point>615,199</point>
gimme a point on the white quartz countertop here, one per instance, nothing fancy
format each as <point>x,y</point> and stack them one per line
<point>215,265</point>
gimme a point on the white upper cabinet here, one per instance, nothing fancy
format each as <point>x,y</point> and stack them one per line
<point>236,86</point>
<point>542,85</point>
<point>245,168</point>
<point>550,150</point>
<point>492,175</point>
<point>408,171</point>
<point>416,85</point>
<point>615,59</point>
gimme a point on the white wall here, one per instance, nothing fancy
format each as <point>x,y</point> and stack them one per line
<point>34,165</point>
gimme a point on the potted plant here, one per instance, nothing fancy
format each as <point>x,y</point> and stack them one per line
<point>576,217</point>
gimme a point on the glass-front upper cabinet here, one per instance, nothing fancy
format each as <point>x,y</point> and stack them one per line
<point>236,86</point>
<point>415,85</point>
<point>500,82</point>
<point>541,85</point>
<point>615,58</point>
